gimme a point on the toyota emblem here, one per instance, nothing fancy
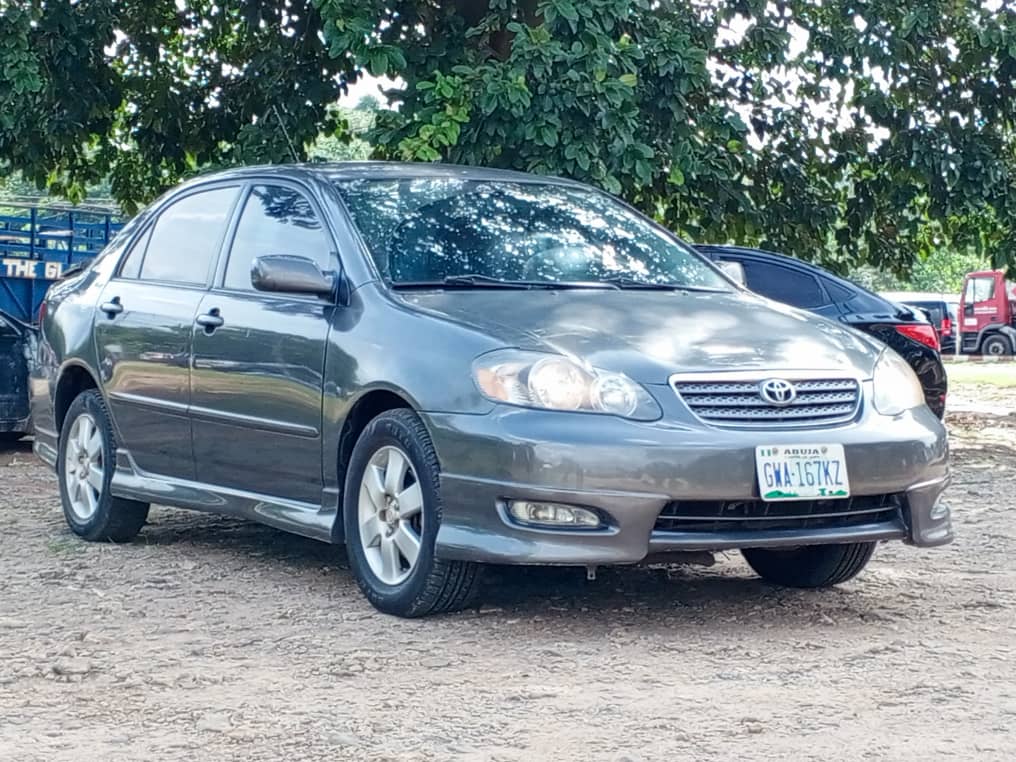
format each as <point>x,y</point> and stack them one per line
<point>777,391</point>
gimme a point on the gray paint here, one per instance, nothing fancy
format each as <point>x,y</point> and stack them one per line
<point>245,418</point>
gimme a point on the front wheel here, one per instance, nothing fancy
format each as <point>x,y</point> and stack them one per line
<point>391,514</point>
<point>811,565</point>
<point>85,466</point>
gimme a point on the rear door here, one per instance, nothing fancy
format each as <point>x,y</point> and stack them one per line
<point>258,376</point>
<point>144,325</point>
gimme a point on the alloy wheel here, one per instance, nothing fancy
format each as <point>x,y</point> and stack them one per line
<point>390,515</point>
<point>84,467</point>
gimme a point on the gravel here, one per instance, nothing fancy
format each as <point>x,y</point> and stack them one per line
<point>213,638</point>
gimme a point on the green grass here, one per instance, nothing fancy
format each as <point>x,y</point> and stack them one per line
<point>1001,374</point>
<point>63,546</point>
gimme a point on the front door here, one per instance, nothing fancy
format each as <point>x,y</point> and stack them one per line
<point>257,383</point>
<point>981,303</point>
<point>144,326</point>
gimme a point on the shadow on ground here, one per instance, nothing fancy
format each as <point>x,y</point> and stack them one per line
<point>728,591</point>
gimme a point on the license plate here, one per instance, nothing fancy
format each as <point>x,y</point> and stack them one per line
<point>801,472</point>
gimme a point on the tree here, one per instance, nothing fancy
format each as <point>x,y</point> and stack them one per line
<point>350,143</point>
<point>147,92</point>
<point>941,271</point>
<point>839,131</point>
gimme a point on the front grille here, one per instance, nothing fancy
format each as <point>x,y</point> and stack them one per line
<point>739,403</point>
<point>717,516</point>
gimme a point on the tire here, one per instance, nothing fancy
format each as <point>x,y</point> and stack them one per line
<point>996,346</point>
<point>811,565</point>
<point>87,444</point>
<point>389,580</point>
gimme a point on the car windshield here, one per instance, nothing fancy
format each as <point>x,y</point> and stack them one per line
<point>481,233</point>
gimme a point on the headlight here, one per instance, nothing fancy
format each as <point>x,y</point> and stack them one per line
<point>555,382</point>
<point>896,386</point>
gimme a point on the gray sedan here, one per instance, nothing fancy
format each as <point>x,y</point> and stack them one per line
<point>443,367</point>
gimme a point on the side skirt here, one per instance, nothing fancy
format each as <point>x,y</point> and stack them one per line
<point>313,521</point>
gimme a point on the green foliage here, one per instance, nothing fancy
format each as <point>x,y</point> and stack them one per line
<point>848,133</point>
<point>348,142</point>
<point>145,93</point>
<point>941,271</point>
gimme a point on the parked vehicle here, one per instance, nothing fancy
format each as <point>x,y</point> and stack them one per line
<point>806,286</point>
<point>940,309</point>
<point>38,244</point>
<point>989,318</point>
<point>444,367</point>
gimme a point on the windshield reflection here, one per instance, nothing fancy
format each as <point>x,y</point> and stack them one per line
<point>426,230</point>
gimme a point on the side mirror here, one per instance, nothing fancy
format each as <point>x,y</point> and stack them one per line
<point>290,275</point>
<point>733,270</point>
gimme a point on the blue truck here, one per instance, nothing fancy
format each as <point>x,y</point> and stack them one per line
<point>39,244</point>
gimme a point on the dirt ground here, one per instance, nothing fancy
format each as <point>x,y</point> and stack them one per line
<point>210,638</point>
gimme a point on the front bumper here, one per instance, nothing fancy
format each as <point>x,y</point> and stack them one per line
<point>629,471</point>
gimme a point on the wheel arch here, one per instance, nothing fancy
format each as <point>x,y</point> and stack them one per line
<point>997,330</point>
<point>74,378</point>
<point>366,408</point>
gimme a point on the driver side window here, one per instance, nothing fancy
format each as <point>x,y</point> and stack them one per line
<point>276,220</point>
<point>980,290</point>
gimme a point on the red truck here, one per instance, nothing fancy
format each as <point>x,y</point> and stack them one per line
<point>988,314</point>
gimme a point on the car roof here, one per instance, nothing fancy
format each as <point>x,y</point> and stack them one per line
<point>761,255</point>
<point>379,170</point>
<point>783,259</point>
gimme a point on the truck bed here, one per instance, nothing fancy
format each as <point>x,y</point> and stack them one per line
<point>37,246</point>
<point>38,243</point>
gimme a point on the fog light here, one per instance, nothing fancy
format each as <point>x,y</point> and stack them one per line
<point>939,511</point>
<point>553,514</point>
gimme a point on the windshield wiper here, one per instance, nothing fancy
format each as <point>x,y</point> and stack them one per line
<point>475,280</point>
<point>634,283</point>
<point>463,281</point>
<point>622,281</point>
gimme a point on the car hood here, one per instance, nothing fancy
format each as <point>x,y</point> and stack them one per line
<point>650,335</point>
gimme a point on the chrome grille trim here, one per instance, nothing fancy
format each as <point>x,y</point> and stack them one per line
<point>733,399</point>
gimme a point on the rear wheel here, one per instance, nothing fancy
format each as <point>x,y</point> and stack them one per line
<point>85,466</point>
<point>810,565</point>
<point>996,346</point>
<point>392,511</point>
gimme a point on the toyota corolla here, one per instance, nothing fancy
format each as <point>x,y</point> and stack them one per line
<point>444,367</point>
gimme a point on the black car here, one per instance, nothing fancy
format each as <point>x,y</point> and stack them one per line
<point>799,284</point>
<point>940,309</point>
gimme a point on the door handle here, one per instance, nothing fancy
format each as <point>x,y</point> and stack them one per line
<point>112,307</point>
<point>210,320</point>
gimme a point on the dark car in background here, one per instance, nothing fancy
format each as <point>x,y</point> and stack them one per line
<point>799,284</point>
<point>941,310</point>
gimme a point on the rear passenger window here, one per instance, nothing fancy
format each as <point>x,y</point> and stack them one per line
<point>784,284</point>
<point>131,267</point>
<point>187,236</point>
<point>276,220</point>
<point>837,293</point>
